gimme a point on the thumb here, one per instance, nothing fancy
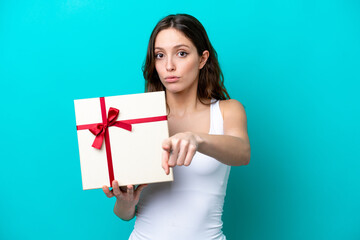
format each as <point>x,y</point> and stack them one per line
<point>139,189</point>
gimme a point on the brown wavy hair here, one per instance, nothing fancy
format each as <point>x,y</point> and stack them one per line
<point>211,78</point>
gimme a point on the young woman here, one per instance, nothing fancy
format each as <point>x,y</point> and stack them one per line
<point>208,135</point>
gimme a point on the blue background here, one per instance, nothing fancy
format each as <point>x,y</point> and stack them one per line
<point>293,64</point>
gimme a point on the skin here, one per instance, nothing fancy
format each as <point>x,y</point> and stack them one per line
<point>178,64</point>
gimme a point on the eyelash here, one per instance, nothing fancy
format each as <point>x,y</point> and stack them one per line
<point>157,55</point>
<point>183,52</point>
<point>160,55</point>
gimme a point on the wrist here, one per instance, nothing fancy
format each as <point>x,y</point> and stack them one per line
<point>123,210</point>
<point>125,205</point>
<point>199,138</point>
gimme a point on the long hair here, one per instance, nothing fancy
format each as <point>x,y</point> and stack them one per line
<point>211,79</point>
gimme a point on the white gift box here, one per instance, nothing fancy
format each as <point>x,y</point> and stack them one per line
<point>128,156</point>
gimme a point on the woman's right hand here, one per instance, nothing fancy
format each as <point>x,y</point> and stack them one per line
<point>126,198</point>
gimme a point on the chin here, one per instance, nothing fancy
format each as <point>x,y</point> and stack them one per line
<point>174,89</point>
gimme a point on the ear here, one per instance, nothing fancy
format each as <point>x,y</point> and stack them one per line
<point>203,59</point>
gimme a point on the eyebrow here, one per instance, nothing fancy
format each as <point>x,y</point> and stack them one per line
<point>176,46</point>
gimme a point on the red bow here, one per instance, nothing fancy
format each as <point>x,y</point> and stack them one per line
<point>99,129</point>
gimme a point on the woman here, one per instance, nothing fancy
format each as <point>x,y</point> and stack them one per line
<point>208,135</point>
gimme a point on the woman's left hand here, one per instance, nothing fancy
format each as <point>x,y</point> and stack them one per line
<point>179,150</point>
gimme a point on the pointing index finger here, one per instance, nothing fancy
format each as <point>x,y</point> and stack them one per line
<point>165,160</point>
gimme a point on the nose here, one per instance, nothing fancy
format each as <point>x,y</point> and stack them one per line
<point>170,65</point>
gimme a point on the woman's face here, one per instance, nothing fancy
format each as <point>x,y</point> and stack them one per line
<point>177,61</point>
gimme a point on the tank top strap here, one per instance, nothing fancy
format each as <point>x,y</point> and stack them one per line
<point>216,119</point>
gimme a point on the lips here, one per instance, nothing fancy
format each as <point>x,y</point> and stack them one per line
<point>171,79</point>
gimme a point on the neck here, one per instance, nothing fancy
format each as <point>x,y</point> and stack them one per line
<point>183,103</point>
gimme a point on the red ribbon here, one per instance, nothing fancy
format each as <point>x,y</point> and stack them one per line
<point>100,130</point>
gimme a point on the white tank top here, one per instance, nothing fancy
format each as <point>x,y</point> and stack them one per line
<point>190,207</point>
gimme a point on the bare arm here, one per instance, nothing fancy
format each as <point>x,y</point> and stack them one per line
<point>232,148</point>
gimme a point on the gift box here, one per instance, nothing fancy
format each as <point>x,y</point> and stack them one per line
<point>120,137</point>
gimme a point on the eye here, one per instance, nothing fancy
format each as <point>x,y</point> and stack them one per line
<point>159,55</point>
<point>182,54</point>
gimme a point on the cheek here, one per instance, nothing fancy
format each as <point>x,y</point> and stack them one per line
<point>158,68</point>
<point>192,67</point>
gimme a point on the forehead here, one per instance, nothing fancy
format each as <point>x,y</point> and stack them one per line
<point>171,37</point>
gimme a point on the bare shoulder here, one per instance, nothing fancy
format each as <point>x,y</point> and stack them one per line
<point>234,116</point>
<point>231,103</point>
<point>231,107</point>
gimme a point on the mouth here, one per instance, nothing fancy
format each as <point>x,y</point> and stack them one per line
<point>171,79</point>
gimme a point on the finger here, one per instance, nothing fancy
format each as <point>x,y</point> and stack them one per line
<point>139,189</point>
<point>165,160</point>
<point>182,153</point>
<point>190,154</point>
<point>130,189</point>
<point>116,189</point>
<point>166,144</point>
<point>175,147</point>
<point>107,191</point>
